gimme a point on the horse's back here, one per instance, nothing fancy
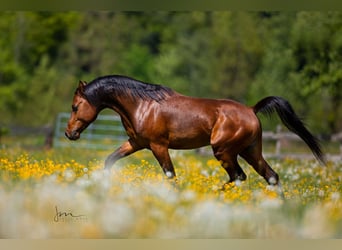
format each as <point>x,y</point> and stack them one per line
<point>210,114</point>
<point>209,111</point>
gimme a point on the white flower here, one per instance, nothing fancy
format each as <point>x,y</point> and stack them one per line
<point>335,196</point>
<point>117,218</point>
<point>321,193</point>
<point>205,173</point>
<point>271,203</point>
<point>69,175</point>
<point>189,195</point>
<point>295,177</point>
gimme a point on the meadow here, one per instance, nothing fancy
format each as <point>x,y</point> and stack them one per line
<point>64,193</point>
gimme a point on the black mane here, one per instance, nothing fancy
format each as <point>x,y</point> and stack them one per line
<point>108,87</point>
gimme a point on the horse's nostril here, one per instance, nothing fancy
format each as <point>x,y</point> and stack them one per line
<point>74,135</point>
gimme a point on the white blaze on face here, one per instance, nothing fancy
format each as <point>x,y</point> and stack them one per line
<point>169,174</point>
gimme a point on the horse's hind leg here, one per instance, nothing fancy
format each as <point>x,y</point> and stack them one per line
<point>230,164</point>
<point>253,155</point>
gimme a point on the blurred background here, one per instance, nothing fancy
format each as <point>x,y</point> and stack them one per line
<point>244,56</point>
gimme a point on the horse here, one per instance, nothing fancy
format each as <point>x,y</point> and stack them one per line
<point>158,118</point>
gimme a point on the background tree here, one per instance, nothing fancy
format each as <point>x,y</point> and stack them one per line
<point>317,52</point>
<point>240,55</point>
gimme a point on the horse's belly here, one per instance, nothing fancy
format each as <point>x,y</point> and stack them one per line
<point>188,132</point>
<point>189,142</point>
<point>192,145</point>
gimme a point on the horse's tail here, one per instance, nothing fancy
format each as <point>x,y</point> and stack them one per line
<point>287,115</point>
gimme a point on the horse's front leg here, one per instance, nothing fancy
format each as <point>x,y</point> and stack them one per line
<point>161,153</point>
<point>125,149</point>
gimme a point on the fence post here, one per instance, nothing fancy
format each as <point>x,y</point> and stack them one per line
<point>48,138</point>
<point>338,138</point>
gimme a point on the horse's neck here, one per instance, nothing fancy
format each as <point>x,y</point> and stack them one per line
<point>123,105</point>
<point>126,109</point>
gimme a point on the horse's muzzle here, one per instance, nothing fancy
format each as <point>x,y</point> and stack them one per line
<point>74,135</point>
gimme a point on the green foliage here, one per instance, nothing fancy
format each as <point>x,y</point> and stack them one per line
<point>28,72</point>
<point>239,55</point>
<point>317,52</point>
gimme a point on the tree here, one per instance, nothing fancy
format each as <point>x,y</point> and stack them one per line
<point>29,41</point>
<point>236,48</point>
<point>11,71</point>
<point>211,54</point>
<point>317,51</point>
<point>240,55</point>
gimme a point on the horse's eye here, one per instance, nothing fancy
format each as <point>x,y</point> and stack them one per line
<point>74,108</point>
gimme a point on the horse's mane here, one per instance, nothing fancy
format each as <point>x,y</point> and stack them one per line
<point>118,86</point>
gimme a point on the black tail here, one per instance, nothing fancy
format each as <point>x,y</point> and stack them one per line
<point>287,115</point>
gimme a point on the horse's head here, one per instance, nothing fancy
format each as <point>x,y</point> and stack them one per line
<point>82,114</point>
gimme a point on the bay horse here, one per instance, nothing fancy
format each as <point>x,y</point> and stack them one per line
<point>157,118</point>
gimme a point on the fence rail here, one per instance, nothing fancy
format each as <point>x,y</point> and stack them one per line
<point>105,133</point>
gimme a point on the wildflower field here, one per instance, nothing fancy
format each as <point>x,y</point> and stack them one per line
<point>67,194</point>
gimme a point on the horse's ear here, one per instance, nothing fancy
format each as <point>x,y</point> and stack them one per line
<point>81,86</point>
